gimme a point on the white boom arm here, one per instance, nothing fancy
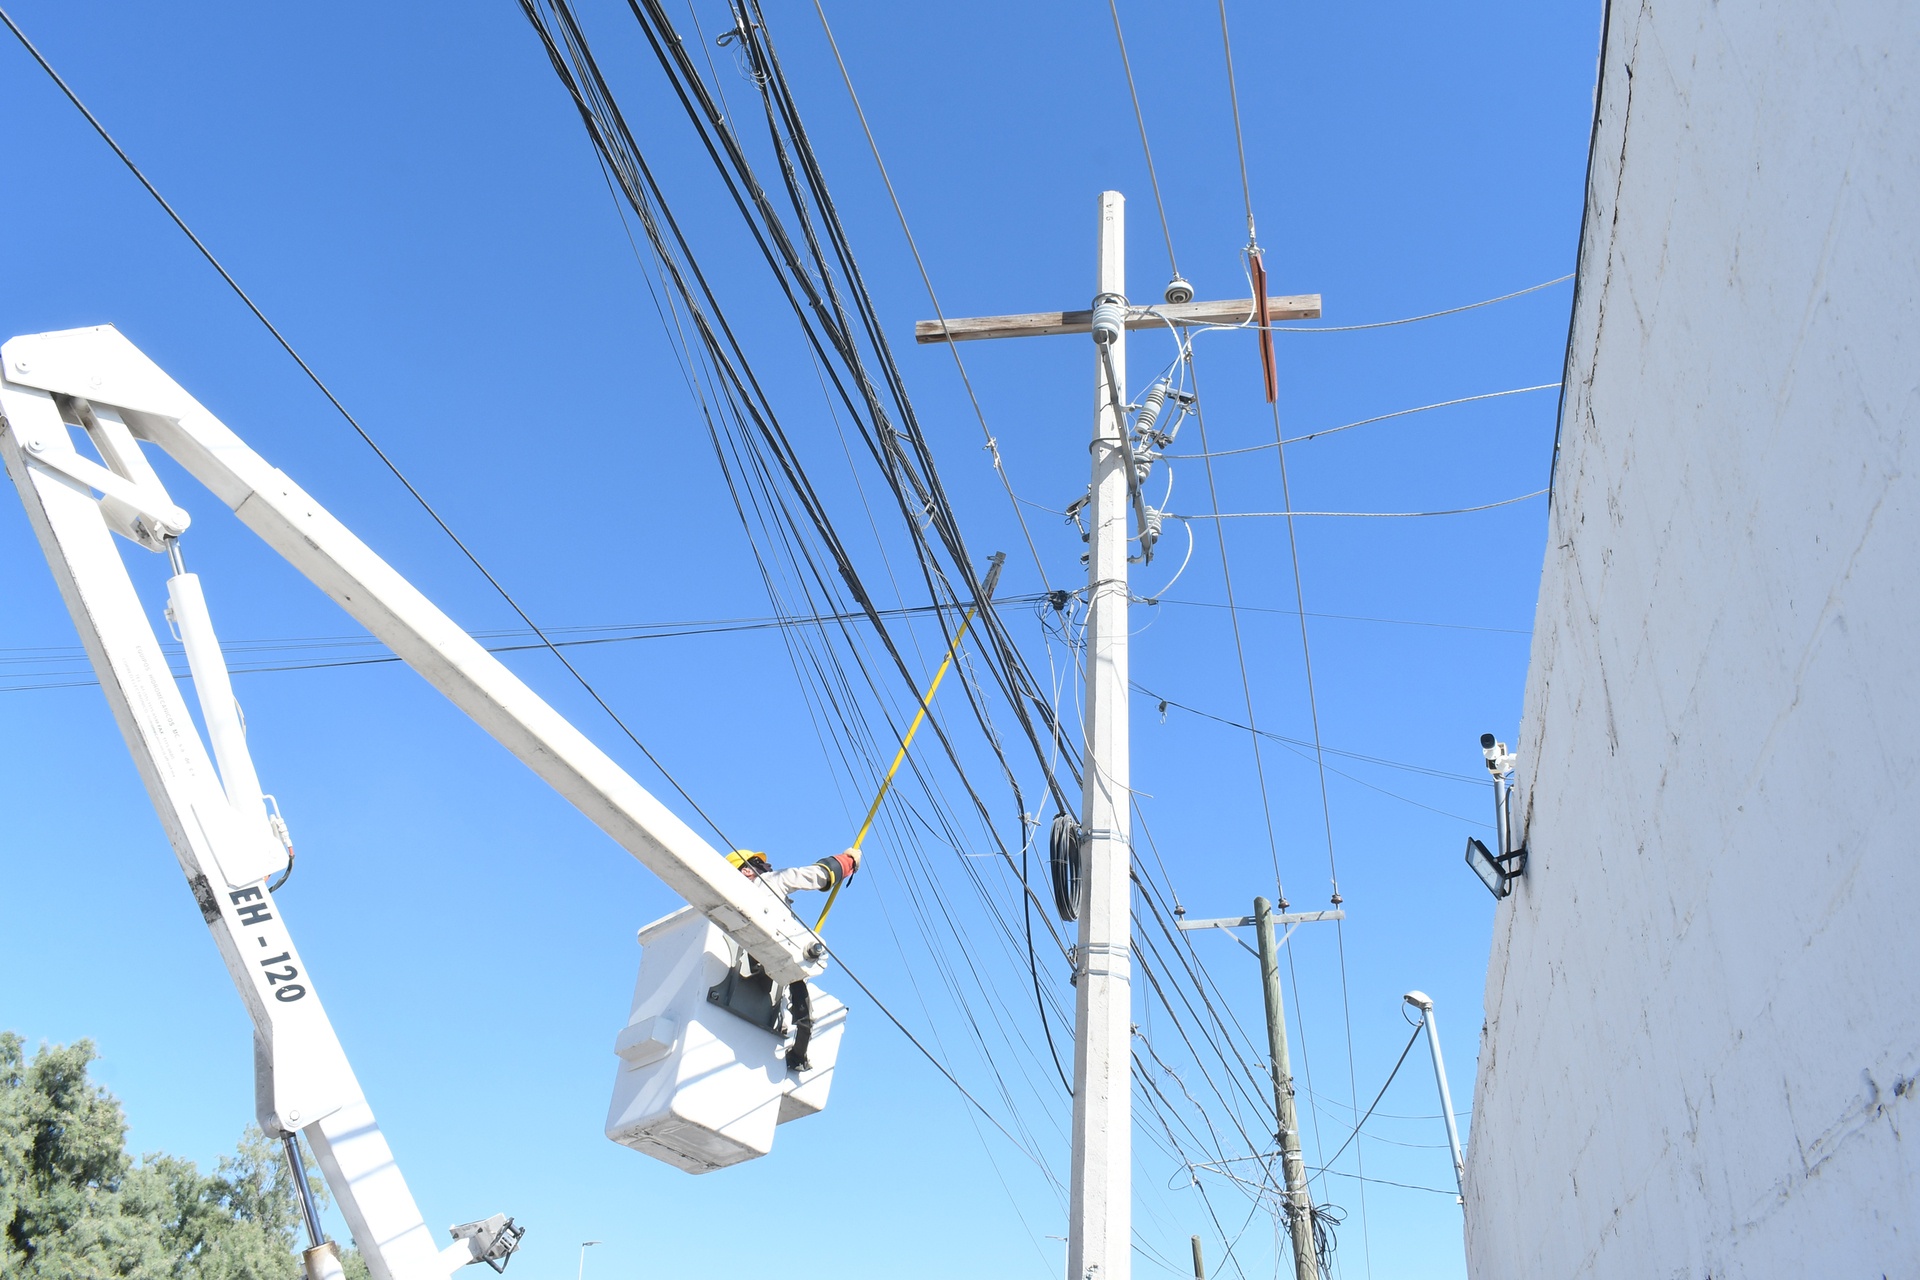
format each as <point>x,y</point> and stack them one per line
<point>102,368</point>
<point>96,379</point>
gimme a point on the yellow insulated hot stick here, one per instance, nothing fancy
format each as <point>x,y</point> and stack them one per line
<point>986,593</point>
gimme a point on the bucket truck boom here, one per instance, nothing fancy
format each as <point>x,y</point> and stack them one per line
<point>95,380</point>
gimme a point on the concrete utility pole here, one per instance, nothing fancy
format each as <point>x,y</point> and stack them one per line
<point>1293,1167</point>
<point>1100,1230</point>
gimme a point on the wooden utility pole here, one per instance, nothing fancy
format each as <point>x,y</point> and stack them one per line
<point>1100,1229</point>
<point>1293,1168</point>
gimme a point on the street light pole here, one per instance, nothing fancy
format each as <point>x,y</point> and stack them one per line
<point>583,1258</point>
<point>1424,1003</point>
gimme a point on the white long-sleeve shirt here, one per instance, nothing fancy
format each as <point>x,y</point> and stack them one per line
<point>789,880</point>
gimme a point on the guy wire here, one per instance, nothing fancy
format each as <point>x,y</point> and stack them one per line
<point>1114,7</point>
<point>1233,95</point>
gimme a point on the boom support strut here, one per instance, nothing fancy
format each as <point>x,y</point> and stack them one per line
<point>96,380</point>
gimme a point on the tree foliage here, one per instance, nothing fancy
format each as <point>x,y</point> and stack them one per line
<point>75,1206</point>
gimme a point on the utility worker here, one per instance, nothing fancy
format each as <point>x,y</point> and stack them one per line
<point>823,875</point>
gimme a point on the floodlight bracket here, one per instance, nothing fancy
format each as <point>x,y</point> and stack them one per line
<point>1496,871</point>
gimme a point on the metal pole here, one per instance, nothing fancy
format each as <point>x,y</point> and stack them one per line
<point>583,1258</point>
<point>1199,1267</point>
<point>1293,1167</point>
<point>1424,1003</point>
<point>1493,753</point>
<point>321,1261</point>
<point>1100,1216</point>
<point>308,1209</point>
<point>1500,816</point>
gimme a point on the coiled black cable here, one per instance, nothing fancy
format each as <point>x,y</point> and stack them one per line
<point>1063,848</point>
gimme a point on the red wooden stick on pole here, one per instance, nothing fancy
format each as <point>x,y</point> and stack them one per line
<point>1263,315</point>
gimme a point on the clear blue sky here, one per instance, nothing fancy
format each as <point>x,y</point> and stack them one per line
<point>408,193</point>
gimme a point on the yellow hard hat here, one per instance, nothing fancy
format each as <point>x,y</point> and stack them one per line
<point>741,857</point>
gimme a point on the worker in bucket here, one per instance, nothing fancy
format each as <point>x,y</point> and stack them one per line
<point>824,875</point>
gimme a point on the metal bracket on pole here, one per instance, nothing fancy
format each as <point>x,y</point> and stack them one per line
<point>1293,921</point>
<point>1247,922</point>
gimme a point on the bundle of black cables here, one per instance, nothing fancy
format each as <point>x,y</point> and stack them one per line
<point>1063,848</point>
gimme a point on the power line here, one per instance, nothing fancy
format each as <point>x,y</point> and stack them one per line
<point>1239,142</point>
<point>1226,572</point>
<point>1376,1098</point>
<point>1299,742</point>
<point>927,281</point>
<point>1431,315</point>
<point>817,306</point>
<point>1398,413</point>
<point>1361,515</point>
<point>1326,806</point>
<point>1127,64</point>
<point>1350,617</point>
<point>677,631</point>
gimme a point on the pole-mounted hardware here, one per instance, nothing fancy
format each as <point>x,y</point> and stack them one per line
<point>1090,860</point>
<point>1498,871</point>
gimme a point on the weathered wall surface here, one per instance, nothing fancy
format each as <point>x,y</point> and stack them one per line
<point>1703,1005</point>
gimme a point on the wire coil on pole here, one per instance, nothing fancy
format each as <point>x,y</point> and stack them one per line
<point>1063,857</point>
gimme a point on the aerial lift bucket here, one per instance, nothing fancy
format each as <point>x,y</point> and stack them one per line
<point>703,1078</point>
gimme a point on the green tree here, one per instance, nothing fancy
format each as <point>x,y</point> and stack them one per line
<point>75,1206</point>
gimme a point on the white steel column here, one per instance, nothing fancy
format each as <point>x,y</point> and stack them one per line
<point>1100,1232</point>
<point>307,1082</point>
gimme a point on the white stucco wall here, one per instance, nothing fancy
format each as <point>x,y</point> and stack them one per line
<point>1703,1004</point>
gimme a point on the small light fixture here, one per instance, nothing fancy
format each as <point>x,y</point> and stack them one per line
<point>1497,873</point>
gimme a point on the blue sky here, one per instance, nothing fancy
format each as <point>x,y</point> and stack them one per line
<point>407,192</point>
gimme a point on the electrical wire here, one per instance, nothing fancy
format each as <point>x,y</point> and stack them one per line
<point>1233,614</point>
<point>927,281</point>
<point>1431,315</point>
<point>1328,1163</point>
<point>1361,515</point>
<point>1300,742</point>
<point>815,302</point>
<point>1399,413</point>
<point>1239,142</point>
<point>1326,806</point>
<point>1349,617</point>
<point>1152,176</point>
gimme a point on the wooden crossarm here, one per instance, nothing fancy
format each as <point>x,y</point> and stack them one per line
<point>1305,306</point>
